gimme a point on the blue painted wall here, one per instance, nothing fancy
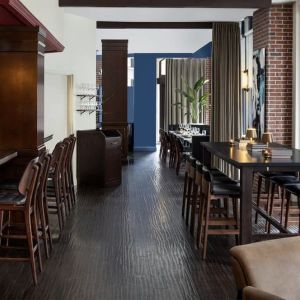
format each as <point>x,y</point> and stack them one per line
<point>130,105</point>
<point>204,52</point>
<point>145,98</point>
<point>142,96</point>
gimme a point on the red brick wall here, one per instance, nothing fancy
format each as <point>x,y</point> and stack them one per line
<point>273,30</point>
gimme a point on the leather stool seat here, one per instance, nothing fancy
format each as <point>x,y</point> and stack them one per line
<point>230,190</point>
<point>294,189</point>
<point>274,174</point>
<point>12,198</point>
<point>282,180</point>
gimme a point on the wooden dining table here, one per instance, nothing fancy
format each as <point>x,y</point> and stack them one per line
<point>6,156</point>
<point>249,163</point>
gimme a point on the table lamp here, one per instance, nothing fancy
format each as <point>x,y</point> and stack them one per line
<point>267,138</point>
<point>251,134</point>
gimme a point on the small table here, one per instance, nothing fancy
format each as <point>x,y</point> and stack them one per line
<point>6,156</point>
<point>249,163</point>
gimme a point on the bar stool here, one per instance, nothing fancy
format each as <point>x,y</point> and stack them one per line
<point>281,182</point>
<point>292,189</point>
<point>217,177</point>
<point>23,202</point>
<point>172,157</point>
<point>70,168</point>
<point>217,217</point>
<point>187,201</point>
<point>267,177</point>
<point>55,198</point>
<point>181,155</point>
<point>42,205</point>
<point>185,186</point>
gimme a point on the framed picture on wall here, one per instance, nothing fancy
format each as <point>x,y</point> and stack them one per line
<point>258,99</point>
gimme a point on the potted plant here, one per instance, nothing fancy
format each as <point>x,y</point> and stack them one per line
<point>196,98</point>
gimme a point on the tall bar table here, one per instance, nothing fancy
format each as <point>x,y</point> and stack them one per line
<point>248,164</point>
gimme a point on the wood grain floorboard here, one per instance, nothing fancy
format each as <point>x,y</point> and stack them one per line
<point>128,242</point>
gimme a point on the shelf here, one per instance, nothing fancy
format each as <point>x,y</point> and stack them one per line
<point>82,96</point>
<point>90,111</point>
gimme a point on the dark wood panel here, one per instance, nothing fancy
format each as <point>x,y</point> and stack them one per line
<point>22,89</point>
<point>154,25</point>
<point>16,13</point>
<point>114,80</point>
<point>169,3</point>
<point>123,128</point>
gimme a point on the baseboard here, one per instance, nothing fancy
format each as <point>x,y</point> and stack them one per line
<point>144,149</point>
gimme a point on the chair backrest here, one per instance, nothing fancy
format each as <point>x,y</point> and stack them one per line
<point>57,158</point>
<point>27,177</point>
<point>206,183</point>
<point>72,139</point>
<point>68,148</point>
<point>45,161</point>
<point>29,182</point>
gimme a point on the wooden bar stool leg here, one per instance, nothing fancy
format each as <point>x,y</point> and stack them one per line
<point>36,236</point>
<point>259,183</point>
<point>283,196</point>
<point>30,247</point>
<point>207,212</point>
<point>43,224</point>
<point>184,194</point>
<point>188,201</point>
<point>271,205</point>
<point>194,206</point>
<point>235,215</point>
<point>287,210</point>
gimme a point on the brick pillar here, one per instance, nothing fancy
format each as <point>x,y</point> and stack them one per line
<point>273,30</point>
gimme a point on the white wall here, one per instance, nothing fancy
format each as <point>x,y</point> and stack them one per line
<point>158,40</point>
<point>56,107</point>
<point>78,35</point>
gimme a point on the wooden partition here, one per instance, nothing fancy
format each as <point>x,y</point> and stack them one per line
<point>114,81</point>
<point>22,88</point>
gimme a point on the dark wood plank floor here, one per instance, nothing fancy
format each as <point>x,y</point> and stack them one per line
<point>128,243</point>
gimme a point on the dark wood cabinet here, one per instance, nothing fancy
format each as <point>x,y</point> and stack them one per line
<point>115,91</point>
<point>99,158</point>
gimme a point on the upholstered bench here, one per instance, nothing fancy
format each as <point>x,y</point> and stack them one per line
<point>271,268</point>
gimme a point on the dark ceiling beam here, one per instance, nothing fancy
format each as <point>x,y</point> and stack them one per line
<point>154,25</point>
<point>169,3</point>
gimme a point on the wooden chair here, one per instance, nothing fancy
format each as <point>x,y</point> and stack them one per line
<point>180,155</point>
<point>24,202</point>
<point>217,220</point>
<point>187,197</point>
<point>70,169</point>
<point>55,197</point>
<point>45,161</point>
<point>172,156</point>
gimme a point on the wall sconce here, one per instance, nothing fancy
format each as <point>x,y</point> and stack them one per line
<point>245,81</point>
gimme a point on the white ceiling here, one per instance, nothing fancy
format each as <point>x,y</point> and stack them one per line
<point>158,40</point>
<point>160,14</point>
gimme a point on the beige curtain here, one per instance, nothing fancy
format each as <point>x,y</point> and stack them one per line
<point>70,104</point>
<point>226,90</point>
<point>178,70</point>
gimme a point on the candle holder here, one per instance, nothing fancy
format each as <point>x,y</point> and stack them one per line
<point>251,134</point>
<point>231,142</point>
<point>267,153</point>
